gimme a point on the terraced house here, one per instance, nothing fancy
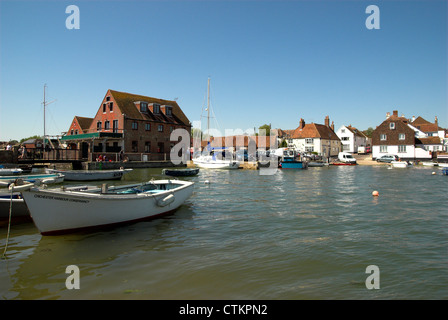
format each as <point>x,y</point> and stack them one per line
<point>127,125</point>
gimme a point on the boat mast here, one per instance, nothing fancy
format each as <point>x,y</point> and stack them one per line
<point>45,143</point>
<point>208,107</point>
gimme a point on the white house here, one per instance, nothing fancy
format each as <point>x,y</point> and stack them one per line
<point>351,138</point>
<point>313,138</point>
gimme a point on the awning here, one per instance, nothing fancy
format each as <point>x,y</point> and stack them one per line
<point>93,135</point>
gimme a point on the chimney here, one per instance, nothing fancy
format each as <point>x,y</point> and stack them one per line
<point>436,121</point>
<point>413,118</point>
<point>387,115</point>
<point>396,113</point>
<point>301,124</point>
<point>327,121</point>
<point>332,125</point>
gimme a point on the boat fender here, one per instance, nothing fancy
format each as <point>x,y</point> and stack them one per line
<point>165,201</point>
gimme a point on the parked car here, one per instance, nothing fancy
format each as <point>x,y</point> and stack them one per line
<point>387,158</point>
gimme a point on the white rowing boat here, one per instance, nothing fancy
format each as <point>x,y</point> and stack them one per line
<point>62,210</point>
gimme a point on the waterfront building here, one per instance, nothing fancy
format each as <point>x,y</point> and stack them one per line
<point>351,138</point>
<point>409,139</point>
<point>128,126</point>
<point>312,138</point>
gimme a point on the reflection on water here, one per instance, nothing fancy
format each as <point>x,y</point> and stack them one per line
<point>306,234</point>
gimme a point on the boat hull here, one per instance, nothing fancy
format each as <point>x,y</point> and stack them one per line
<point>400,164</point>
<point>91,175</point>
<point>33,178</point>
<point>293,165</point>
<point>19,208</point>
<point>216,164</point>
<point>58,211</point>
<point>180,172</point>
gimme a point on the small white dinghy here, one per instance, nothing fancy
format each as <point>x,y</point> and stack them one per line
<point>401,164</point>
<point>61,210</point>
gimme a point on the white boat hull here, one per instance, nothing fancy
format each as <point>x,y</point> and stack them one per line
<point>59,211</point>
<point>10,172</point>
<point>400,164</point>
<point>34,178</point>
<point>209,163</point>
<point>91,175</point>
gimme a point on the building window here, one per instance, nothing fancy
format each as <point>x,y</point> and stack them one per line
<point>134,125</point>
<point>156,108</point>
<point>76,131</point>
<point>392,125</point>
<point>160,127</point>
<point>168,111</point>
<point>98,125</point>
<point>147,147</point>
<point>401,136</point>
<point>147,126</point>
<point>111,106</point>
<point>171,129</point>
<point>107,98</point>
<point>143,107</point>
<point>104,108</point>
<point>106,125</point>
<point>309,140</point>
<point>115,126</point>
<point>345,138</point>
<point>345,147</point>
<point>342,130</point>
<point>71,132</point>
<point>309,149</point>
<point>383,149</point>
<point>134,146</point>
<point>383,137</point>
<point>401,148</point>
<point>160,147</point>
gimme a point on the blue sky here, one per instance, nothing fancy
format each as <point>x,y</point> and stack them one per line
<point>269,61</point>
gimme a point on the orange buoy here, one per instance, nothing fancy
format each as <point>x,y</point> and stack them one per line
<point>375,193</point>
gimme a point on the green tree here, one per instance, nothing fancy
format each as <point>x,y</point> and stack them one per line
<point>368,132</point>
<point>267,129</point>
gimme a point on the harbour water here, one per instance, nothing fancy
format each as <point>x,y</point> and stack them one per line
<point>298,234</point>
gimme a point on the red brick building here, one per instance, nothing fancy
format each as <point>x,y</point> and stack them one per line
<point>140,126</point>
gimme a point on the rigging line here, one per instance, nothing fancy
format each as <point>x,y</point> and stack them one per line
<point>9,224</point>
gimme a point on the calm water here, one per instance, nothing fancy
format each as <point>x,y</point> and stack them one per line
<point>307,234</point>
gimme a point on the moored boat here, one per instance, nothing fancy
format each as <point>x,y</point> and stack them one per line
<point>188,172</point>
<point>429,163</point>
<point>211,162</point>
<point>16,205</point>
<point>91,175</point>
<point>292,163</point>
<point>33,178</point>
<point>65,210</point>
<point>400,164</point>
<point>10,171</point>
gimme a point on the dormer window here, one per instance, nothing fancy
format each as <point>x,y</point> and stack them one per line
<point>143,107</point>
<point>392,125</point>
<point>168,110</point>
<point>156,108</point>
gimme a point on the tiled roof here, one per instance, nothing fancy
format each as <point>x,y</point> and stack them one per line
<point>84,122</point>
<point>126,103</point>
<point>313,130</point>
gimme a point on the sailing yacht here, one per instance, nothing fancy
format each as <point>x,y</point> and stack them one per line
<point>209,159</point>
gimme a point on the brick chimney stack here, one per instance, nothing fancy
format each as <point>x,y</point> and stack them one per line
<point>301,124</point>
<point>327,121</point>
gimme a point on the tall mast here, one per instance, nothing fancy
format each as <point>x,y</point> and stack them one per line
<point>45,85</point>
<point>208,107</point>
